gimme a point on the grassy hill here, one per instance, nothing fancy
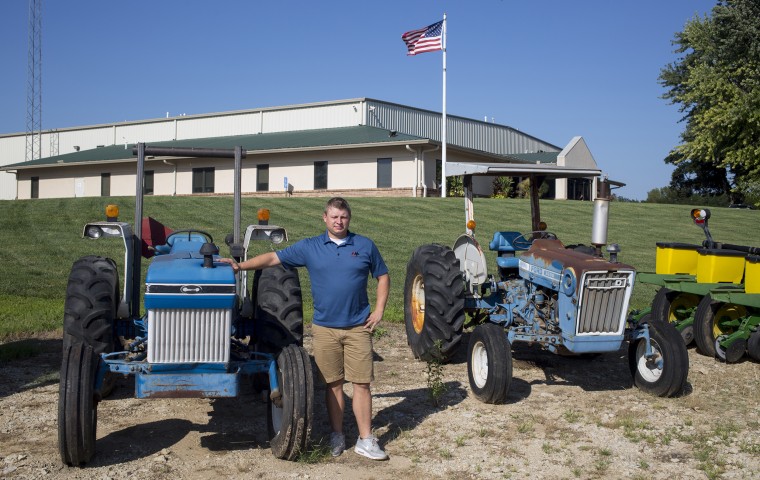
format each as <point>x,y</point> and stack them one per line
<point>40,239</point>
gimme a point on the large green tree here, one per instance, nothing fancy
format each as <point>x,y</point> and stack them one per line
<point>716,83</point>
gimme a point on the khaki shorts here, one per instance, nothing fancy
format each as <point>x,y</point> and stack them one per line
<point>343,354</point>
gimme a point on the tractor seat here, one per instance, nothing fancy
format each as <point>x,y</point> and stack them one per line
<point>502,242</point>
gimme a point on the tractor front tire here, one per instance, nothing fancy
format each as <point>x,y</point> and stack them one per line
<point>675,307</point>
<point>77,404</point>
<point>714,319</point>
<point>489,363</point>
<point>433,303</point>
<point>663,375</point>
<point>290,415</point>
<point>278,308</point>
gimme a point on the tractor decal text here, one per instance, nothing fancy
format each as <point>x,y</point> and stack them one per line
<point>539,271</point>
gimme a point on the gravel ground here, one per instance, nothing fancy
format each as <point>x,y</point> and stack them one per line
<point>565,418</point>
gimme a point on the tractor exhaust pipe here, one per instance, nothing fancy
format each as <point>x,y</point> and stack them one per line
<point>601,216</point>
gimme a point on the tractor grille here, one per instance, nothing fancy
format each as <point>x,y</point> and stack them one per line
<point>180,335</point>
<point>604,302</point>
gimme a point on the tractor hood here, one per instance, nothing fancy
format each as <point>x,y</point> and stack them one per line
<point>179,280</point>
<point>548,261</point>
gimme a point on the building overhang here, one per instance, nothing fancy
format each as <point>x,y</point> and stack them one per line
<point>519,170</point>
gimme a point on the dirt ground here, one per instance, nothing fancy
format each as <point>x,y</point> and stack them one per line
<point>565,418</point>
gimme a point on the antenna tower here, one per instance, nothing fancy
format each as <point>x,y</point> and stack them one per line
<point>34,83</point>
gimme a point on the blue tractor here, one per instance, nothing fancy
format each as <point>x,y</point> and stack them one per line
<point>202,329</point>
<point>567,299</point>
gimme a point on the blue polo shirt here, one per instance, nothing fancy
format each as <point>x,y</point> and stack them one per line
<point>339,275</point>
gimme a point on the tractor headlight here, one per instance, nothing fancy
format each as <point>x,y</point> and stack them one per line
<point>103,229</point>
<point>277,236</point>
<point>268,233</point>
<point>93,231</point>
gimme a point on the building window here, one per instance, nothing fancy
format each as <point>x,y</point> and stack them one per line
<point>203,180</point>
<point>148,182</point>
<point>384,173</point>
<point>320,175</point>
<point>35,187</point>
<point>105,184</point>
<point>262,178</point>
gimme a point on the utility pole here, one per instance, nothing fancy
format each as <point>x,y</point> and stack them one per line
<point>34,83</point>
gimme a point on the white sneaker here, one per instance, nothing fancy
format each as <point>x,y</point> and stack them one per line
<point>370,448</point>
<point>337,443</point>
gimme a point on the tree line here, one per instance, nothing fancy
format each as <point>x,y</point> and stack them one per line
<point>715,83</point>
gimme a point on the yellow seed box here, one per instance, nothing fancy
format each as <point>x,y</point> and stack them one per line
<point>720,266</point>
<point>752,274</point>
<point>672,258</point>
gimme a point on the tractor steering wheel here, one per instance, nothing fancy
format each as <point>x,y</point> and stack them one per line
<point>524,241</point>
<point>189,232</point>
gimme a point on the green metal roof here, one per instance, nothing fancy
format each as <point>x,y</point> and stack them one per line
<point>303,139</point>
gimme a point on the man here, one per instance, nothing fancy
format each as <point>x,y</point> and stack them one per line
<point>339,263</point>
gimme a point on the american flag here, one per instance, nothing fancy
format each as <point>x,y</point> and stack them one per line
<point>423,40</point>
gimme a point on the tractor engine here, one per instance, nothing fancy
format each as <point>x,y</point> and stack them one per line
<point>583,297</point>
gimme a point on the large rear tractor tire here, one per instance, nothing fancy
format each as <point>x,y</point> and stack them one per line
<point>77,404</point>
<point>714,319</point>
<point>92,294</point>
<point>433,303</point>
<point>675,307</point>
<point>290,414</point>
<point>89,311</point>
<point>278,308</point>
<point>664,374</point>
<point>489,363</point>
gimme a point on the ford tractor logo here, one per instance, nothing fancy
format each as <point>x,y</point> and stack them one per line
<point>190,289</point>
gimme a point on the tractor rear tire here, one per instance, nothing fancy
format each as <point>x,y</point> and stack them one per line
<point>278,308</point>
<point>433,303</point>
<point>674,307</point>
<point>489,363</point>
<point>290,417</point>
<point>92,294</point>
<point>665,374</point>
<point>712,320</point>
<point>89,311</point>
<point>77,404</point>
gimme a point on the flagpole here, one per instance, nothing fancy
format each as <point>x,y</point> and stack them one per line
<point>443,116</point>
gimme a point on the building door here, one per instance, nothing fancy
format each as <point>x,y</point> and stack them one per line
<point>79,187</point>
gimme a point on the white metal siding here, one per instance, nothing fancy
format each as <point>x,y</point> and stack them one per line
<point>309,118</point>
<point>463,132</point>
<point>218,126</point>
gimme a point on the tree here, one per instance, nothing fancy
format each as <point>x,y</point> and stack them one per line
<point>716,84</point>
<point>502,187</point>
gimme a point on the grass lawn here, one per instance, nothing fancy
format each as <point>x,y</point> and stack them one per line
<point>41,238</point>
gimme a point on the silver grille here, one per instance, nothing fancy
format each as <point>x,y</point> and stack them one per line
<point>604,302</point>
<point>179,335</point>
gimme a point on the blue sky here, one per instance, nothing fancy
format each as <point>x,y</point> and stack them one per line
<point>551,68</point>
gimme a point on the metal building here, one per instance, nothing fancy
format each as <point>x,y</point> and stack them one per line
<point>353,147</point>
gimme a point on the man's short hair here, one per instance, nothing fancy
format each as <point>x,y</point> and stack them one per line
<point>339,203</point>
